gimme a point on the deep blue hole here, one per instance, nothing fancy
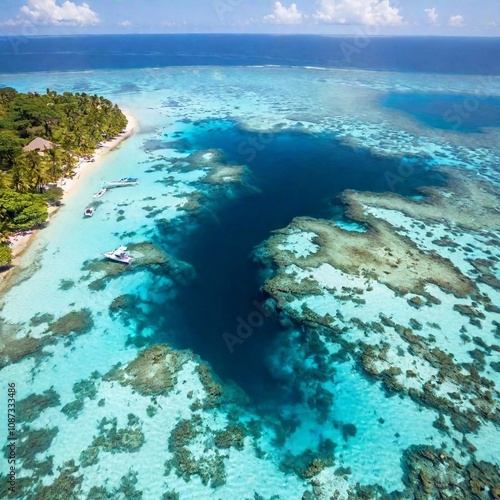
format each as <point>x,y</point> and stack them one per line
<point>297,174</point>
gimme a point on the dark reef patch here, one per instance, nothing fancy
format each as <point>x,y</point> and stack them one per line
<point>31,407</point>
<point>153,372</point>
<point>77,322</point>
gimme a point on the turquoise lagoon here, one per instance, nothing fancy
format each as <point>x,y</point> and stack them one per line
<point>302,136</point>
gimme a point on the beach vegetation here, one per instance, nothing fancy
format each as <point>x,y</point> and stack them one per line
<point>5,255</point>
<point>42,136</point>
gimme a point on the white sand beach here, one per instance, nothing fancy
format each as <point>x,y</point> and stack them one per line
<point>20,241</point>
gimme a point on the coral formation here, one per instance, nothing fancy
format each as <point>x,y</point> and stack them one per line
<point>128,488</point>
<point>145,256</point>
<point>66,485</point>
<point>77,322</point>
<point>214,162</point>
<point>391,259</point>
<point>209,466</point>
<point>213,389</point>
<point>153,372</point>
<point>32,442</point>
<point>40,319</point>
<point>16,344</point>
<point>231,436</point>
<point>113,440</point>
<point>434,473</point>
<point>31,407</point>
<point>422,255</point>
<point>82,390</point>
<point>310,463</point>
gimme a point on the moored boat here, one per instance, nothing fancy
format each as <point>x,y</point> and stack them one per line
<point>119,255</point>
<point>99,193</point>
<point>89,211</point>
<point>125,181</point>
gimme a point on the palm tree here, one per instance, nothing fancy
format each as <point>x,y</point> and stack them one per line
<point>20,175</point>
<point>34,171</point>
<point>54,163</point>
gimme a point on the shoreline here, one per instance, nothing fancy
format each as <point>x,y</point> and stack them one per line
<point>20,242</point>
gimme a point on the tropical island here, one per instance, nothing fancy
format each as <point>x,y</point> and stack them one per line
<point>42,138</point>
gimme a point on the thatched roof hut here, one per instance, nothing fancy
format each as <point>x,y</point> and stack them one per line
<point>40,144</point>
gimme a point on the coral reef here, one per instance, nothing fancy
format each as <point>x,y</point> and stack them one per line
<point>77,322</point>
<point>433,473</point>
<point>40,319</point>
<point>32,442</point>
<point>98,493</point>
<point>113,440</point>
<point>388,257</point>
<point>145,256</point>
<point>310,463</point>
<point>231,436</point>
<point>213,389</point>
<point>82,390</point>
<point>170,495</point>
<point>127,487</point>
<point>194,202</point>
<point>153,372</point>
<point>466,201</point>
<point>209,466</point>
<point>66,284</point>
<point>16,344</point>
<point>66,485</point>
<point>437,343</point>
<point>214,162</point>
<point>31,407</point>
<point>121,303</point>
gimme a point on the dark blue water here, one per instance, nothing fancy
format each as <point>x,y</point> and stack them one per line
<point>465,113</point>
<point>297,174</point>
<point>428,54</point>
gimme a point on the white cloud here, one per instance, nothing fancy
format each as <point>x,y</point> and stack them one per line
<point>126,24</point>
<point>456,21</point>
<point>284,15</point>
<point>50,13</point>
<point>432,15</point>
<point>367,12</point>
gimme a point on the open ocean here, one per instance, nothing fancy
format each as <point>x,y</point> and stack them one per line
<point>306,118</point>
<point>20,54</point>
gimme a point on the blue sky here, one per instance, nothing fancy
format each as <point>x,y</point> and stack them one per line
<point>384,17</point>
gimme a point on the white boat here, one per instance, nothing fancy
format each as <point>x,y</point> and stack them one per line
<point>119,255</point>
<point>89,211</point>
<point>125,181</point>
<point>99,193</point>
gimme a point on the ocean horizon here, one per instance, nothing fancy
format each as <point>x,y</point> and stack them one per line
<point>457,55</point>
<point>312,305</point>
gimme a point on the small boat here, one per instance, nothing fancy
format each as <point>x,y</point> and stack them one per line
<point>89,211</point>
<point>125,181</point>
<point>119,255</point>
<point>99,193</point>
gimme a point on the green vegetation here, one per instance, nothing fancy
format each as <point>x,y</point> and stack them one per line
<point>74,124</point>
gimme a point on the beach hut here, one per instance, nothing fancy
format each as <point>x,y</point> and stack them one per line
<point>40,144</point>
